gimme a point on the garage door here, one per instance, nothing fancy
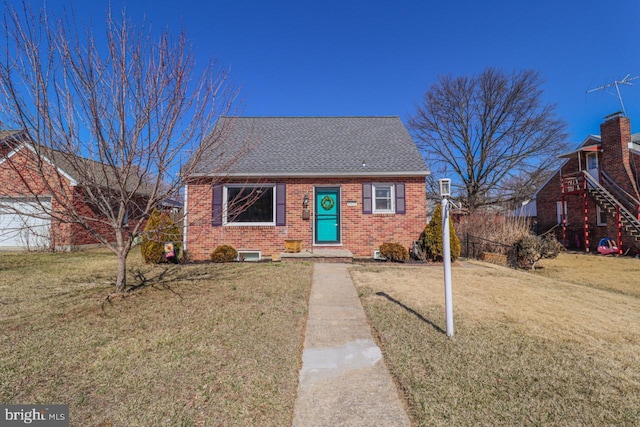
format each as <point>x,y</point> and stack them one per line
<point>23,225</point>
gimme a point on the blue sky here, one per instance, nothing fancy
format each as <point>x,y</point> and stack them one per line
<point>374,57</point>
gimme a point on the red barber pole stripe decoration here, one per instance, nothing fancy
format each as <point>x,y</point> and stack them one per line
<point>619,223</point>
<point>587,241</point>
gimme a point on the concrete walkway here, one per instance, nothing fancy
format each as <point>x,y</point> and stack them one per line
<point>343,380</point>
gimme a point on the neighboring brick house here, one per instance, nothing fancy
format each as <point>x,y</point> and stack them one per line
<point>332,182</point>
<point>598,188</point>
<point>32,210</point>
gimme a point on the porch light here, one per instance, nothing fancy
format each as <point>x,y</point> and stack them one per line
<point>305,201</point>
<point>445,187</point>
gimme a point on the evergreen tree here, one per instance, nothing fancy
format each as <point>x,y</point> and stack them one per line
<point>431,239</point>
<point>159,230</point>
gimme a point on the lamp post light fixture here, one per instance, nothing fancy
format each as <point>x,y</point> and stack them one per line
<point>445,191</point>
<point>306,215</point>
<point>444,185</point>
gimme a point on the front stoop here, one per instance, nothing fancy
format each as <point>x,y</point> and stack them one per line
<point>319,255</point>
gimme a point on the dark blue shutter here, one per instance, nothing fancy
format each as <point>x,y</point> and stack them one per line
<point>367,206</point>
<point>216,206</point>
<point>401,207</point>
<point>281,204</point>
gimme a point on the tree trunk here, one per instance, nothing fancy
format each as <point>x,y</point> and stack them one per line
<point>121,277</point>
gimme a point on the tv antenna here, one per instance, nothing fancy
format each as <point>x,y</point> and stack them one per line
<point>625,81</point>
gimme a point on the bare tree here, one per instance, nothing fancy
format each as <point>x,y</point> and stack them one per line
<point>117,116</point>
<point>491,131</point>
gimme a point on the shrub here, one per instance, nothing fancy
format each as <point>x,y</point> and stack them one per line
<point>160,229</point>
<point>394,252</point>
<point>431,238</point>
<point>532,249</point>
<point>493,227</point>
<point>224,253</point>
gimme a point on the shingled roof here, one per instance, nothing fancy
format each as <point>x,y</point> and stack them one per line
<point>6,134</point>
<point>316,146</point>
<point>79,170</point>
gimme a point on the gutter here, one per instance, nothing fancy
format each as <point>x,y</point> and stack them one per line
<point>313,175</point>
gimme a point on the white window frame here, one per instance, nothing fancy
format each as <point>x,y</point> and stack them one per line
<point>559,212</point>
<point>601,213</point>
<point>592,157</point>
<point>392,195</point>
<point>225,201</point>
<point>248,251</point>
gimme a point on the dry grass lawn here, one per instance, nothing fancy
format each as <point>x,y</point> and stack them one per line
<point>197,345</point>
<point>527,350</point>
<point>620,274</point>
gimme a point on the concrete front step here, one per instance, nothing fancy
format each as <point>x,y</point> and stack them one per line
<point>319,255</point>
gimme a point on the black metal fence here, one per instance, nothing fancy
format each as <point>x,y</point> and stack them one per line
<point>488,250</point>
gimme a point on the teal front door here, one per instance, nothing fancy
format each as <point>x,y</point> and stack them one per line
<point>327,215</point>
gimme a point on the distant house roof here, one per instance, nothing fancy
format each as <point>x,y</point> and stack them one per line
<point>316,146</point>
<point>593,144</point>
<point>75,168</point>
<point>5,134</point>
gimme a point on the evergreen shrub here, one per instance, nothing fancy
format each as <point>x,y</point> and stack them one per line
<point>431,238</point>
<point>160,229</point>
<point>224,253</point>
<point>394,252</point>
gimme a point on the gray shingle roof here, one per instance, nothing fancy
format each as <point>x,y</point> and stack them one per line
<point>5,134</point>
<point>79,169</point>
<point>317,146</point>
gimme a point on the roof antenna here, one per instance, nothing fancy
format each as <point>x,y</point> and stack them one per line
<point>625,81</point>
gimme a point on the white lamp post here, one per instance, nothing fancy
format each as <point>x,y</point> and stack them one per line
<point>445,191</point>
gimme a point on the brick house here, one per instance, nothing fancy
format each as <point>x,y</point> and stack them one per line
<point>351,183</point>
<point>33,210</point>
<point>595,192</point>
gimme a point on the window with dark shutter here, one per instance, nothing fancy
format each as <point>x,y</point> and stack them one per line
<point>401,207</point>
<point>367,205</point>
<point>281,204</point>
<point>216,206</point>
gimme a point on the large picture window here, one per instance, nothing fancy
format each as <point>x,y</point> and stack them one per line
<point>249,205</point>
<point>383,198</point>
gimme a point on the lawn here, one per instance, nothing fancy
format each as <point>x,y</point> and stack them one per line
<point>618,274</point>
<point>202,345</point>
<point>527,350</point>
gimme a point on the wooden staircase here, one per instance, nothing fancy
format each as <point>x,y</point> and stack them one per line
<point>612,205</point>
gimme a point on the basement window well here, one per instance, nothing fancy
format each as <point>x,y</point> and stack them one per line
<point>249,256</point>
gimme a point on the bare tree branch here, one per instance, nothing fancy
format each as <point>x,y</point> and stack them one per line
<point>106,125</point>
<point>492,131</point>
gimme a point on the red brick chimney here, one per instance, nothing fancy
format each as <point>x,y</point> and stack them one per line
<point>615,135</point>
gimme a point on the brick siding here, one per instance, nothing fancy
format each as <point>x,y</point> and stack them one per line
<point>618,162</point>
<point>361,233</point>
<point>63,234</point>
